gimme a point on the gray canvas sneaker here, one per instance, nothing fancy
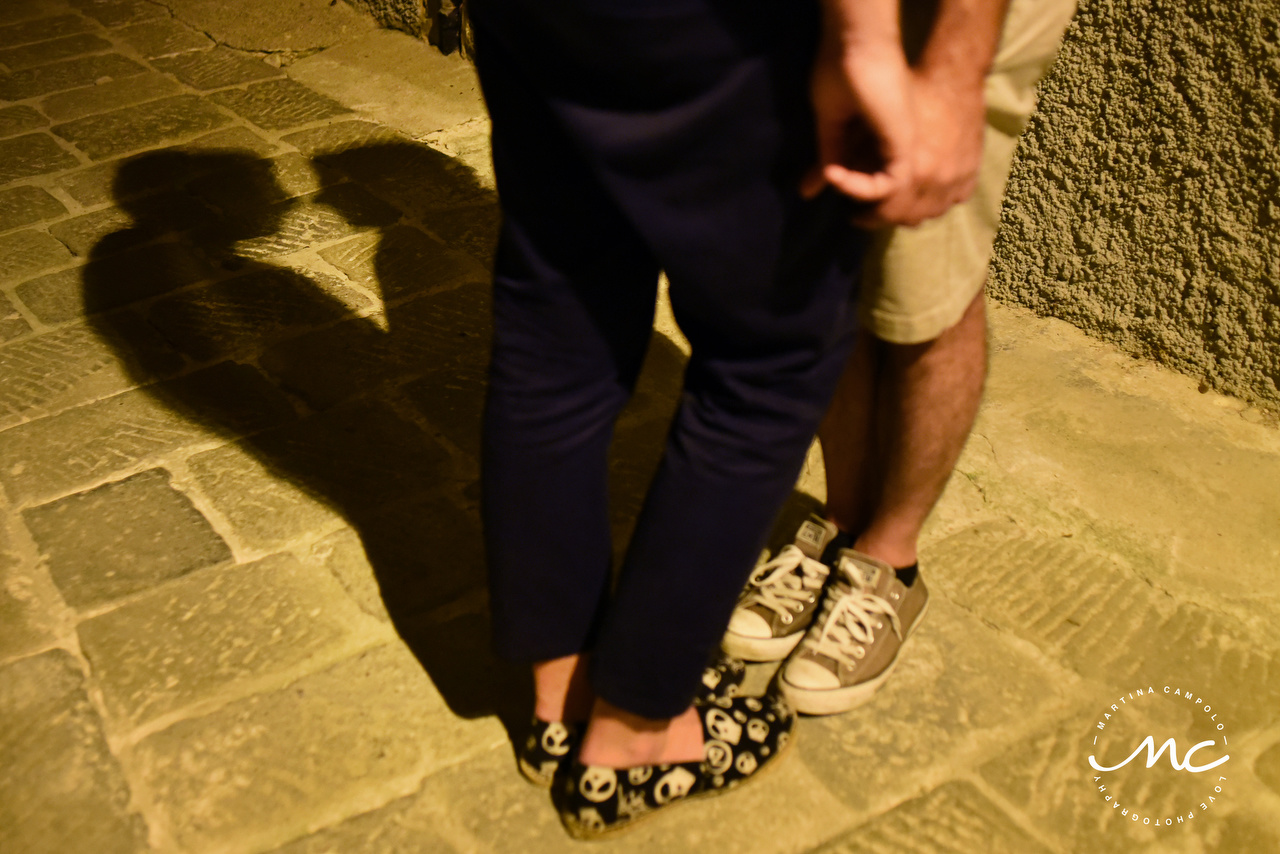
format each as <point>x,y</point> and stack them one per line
<point>853,645</point>
<point>781,597</point>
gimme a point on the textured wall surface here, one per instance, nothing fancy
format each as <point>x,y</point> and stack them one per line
<point>1143,204</point>
<point>408,16</point>
<point>441,22</point>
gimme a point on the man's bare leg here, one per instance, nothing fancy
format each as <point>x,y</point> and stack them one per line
<point>848,437</point>
<point>925,399</point>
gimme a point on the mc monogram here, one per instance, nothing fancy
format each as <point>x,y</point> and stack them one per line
<point>1149,744</point>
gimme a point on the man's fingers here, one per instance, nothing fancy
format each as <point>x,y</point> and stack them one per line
<point>812,183</point>
<point>860,186</point>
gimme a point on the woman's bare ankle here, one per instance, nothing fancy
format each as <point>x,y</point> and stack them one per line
<point>561,690</point>
<point>617,738</point>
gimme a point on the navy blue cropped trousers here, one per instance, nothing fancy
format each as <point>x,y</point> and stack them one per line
<point>631,138</point>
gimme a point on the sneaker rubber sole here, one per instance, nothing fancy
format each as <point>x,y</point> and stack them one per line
<point>760,649</point>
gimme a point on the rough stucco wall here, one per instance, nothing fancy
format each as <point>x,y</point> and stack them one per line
<point>1143,204</point>
<point>438,21</point>
<point>409,16</point>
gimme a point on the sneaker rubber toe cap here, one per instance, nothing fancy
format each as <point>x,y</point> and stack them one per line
<point>810,675</point>
<point>749,624</point>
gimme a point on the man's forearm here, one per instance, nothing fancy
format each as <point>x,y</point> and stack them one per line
<point>963,41</point>
<point>861,25</point>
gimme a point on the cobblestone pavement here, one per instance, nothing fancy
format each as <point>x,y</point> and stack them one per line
<point>243,326</point>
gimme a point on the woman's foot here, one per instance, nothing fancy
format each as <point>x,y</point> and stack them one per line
<point>547,747</point>
<point>617,738</point>
<point>739,736</point>
<point>562,704</point>
<point>561,691</point>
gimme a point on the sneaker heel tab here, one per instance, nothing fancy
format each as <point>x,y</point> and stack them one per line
<point>814,535</point>
<point>862,570</point>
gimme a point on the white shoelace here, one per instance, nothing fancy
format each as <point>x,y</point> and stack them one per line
<point>778,587</point>
<point>849,624</point>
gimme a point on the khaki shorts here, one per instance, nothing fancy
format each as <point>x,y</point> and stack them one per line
<point>917,282</point>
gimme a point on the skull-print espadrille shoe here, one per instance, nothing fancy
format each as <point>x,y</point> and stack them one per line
<point>548,746</point>
<point>545,749</point>
<point>742,735</point>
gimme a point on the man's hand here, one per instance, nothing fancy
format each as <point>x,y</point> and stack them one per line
<point>906,143</point>
<point>865,123</point>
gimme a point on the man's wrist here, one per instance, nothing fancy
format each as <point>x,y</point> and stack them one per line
<point>962,47</point>
<point>861,26</point>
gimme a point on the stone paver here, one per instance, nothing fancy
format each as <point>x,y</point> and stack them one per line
<point>1080,608</point>
<point>452,401</point>
<point>53,456</point>
<point>416,177</point>
<point>31,9</point>
<point>30,616</point>
<point>254,183</point>
<point>42,29</point>
<point>76,364</point>
<point>278,104</point>
<point>19,119</point>
<point>432,332</point>
<point>400,262</point>
<point>265,510</point>
<point>26,253</point>
<point>216,69</point>
<point>1047,776</point>
<point>113,280</point>
<point>115,13</point>
<point>955,818</point>
<point>94,185</point>
<point>959,686</point>
<point>32,154</point>
<point>1267,768</point>
<point>12,323</point>
<point>415,554</point>
<point>51,51</point>
<point>262,770</point>
<point>273,230</point>
<point>144,126</point>
<point>60,787</point>
<point>163,37</point>
<point>219,630</point>
<point>122,537</point>
<point>359,456</point>
<point>344,136</point>
<point>112,95</point>
<point>242,314</point>
<point>26,205</point>
<point>143,221</point>
<point>68,74</point>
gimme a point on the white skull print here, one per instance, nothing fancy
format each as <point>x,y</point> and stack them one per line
<point>556,739</point>
<point>722,726</point>
<point>676,783</point>
<point>598,784</point>
<point>631,804</point>
<point>639,776</point>
<point>590,818</point>
<point>719,756</point>
<point>746,763</point>
<point>757,730</point>
<point>711,678</point>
